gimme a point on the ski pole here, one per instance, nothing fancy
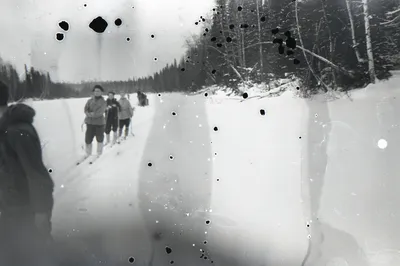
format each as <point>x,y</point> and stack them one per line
<point>132,128</point>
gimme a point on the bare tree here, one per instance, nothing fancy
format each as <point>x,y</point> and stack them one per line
<point>353,35</point>
<point>302,44</point>
<point>370,54</point>
<point>331,42</point>
<point>260,40</point>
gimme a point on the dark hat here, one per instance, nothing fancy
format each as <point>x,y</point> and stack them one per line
<point>98,87</point>
<point>111,92</point>
<point>4,94</point>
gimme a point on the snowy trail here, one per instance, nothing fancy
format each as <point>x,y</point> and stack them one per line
<point>96,210</point>
<point>175,191</point>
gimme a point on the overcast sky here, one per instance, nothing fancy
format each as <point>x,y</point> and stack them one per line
<point>28,28</point>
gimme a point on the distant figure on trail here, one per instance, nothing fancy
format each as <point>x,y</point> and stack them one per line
<point>142,98</point>
<point>26,188</point>
<point>95,121</point>
<point>113,108</point>
<point>125,115</point>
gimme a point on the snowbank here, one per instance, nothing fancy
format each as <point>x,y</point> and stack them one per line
<point>256,207</point>
<point>332,164</point>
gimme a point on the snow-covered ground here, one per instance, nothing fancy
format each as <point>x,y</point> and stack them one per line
<point>311,182</point>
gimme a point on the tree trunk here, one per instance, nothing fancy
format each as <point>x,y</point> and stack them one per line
<point>242,38</point>
<point>302,44</point>
<point>260,40</point>
<point>371,65</point>
<point>331,44</point>
<point>353,34</point>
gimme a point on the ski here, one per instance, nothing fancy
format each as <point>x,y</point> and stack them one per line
<point>94,159</point>
<point>82,160</point>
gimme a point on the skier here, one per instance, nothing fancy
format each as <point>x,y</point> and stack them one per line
<point>125,115</point>
<point>26,188</point>
<point>113,108</point>
<point>95,121</point>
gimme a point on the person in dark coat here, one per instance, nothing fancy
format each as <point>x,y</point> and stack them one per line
<point>26,188</point>
<point>113,108</point>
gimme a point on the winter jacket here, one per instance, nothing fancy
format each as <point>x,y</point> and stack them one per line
<point>113,108</point>
<point>94,110</point>
<point>126,109</point>
<point>25,183</point>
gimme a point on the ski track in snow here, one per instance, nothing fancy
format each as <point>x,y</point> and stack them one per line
<point>258,180</point>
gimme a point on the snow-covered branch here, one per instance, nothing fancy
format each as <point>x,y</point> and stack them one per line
<point>390,13</point>
<point>323,59</point>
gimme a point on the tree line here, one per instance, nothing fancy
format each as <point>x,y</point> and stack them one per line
<point>326,44</point>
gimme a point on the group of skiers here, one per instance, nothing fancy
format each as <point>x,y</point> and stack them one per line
<point>106,116</point>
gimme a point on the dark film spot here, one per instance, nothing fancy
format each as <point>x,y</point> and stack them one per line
<point>171,262</point>
<point>263,19</point>
<point>168,250</point>
<point>296,61</point>
<point>118,22</point>
<point>291,43</point>
<point>171,157</point>
<point>50,170</point>
<point>214,71</point>
<point>206,94</point>
<point>231,26</point>
<point>64,25</point>
<point>131,260</point>
<point>173,113</point>
<point>219,45</point>
<point>215,128</point>
<point>278,40</point>
<point>98,25</point>
<point>228,39</point>
<point>275,31</point>
<point>149,164</point>
<point>155,58</point>
<point>240,8</point>
<point>208,222</point>
<point>262,112</point>
<point>182,69</point>
<point>281,49</point>
<point>152,36</point>
<point>245,95</point>
<point>213,39</point>
<point>59,36</point>
<point>85,5</point>
<point>128,39</point>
